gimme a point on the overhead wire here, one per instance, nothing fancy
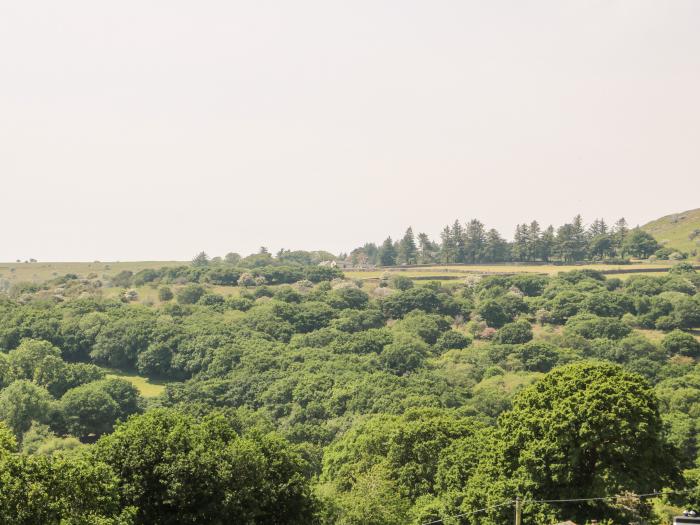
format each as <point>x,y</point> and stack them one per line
<point>570,500</point>
<point>470,513</point>
<point>619,496</point>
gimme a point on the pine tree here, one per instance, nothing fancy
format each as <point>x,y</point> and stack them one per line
<point>372,252</point>
<point>571,241</point>
<point>201,259</point>
<point>599,241</point>
<point>566,243</point>
<point>579,239</point>
<point>495,247</point>
<point>475,239</point>
<point>387,253</point>
<point>598,227</point>
<point>619,233</point>
<point>448,249</point>
<point>458,241</point>
<point>600,246</point>
<point>407,248</point>
<point>520,242</point>
<point>425,248</point>
<point>534,250</point>
<point>547,243</point>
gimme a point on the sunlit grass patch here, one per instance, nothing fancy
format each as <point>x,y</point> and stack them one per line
<point>147,387</point>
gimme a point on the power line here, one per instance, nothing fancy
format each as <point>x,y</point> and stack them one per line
<point>649,495</point>
<point>470,513</point>
<point>571,500</point>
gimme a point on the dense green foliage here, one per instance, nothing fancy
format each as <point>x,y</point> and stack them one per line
<point>586,429</point>
<point>176,470</point>
<point>336,403</point>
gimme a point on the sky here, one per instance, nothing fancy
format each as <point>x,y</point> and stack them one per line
<point>152,130</point>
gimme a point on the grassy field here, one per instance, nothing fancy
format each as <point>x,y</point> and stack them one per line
<point>674,230</point>
<point>147,387</point>
<point>451,272</point>
<point>149,294</point>
<point>657,335</point>
<point>40,272</point>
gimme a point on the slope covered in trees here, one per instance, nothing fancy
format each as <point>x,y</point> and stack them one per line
<point>335,402</point>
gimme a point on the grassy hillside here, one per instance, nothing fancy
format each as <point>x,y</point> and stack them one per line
<point>455,272</point>
<point>676,231</point>
<point>13,273</point>
<point>44,271</point>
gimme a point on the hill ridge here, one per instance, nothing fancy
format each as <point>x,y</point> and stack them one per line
<point>680,231</point>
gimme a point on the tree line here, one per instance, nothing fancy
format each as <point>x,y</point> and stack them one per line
<point>473,243</point>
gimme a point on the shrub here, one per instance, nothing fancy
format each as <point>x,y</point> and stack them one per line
<point>211,299</point>
<point>349,297</point>
<point>452,340</point>
<point>636,347</point>
<point>682,343</point>
<point>607,304</point>
<point>682,268</point>
<point>663,253</point>
<point>399,304</point>
<point>165,293</point>
<point>145,276</point>
<point>404,354</point>
<point>190,294</point>
<point>493,312</point>
<point>223,276</point>
<point>401,282</point>
<point>129,296</point>
<point>531,285</point>
<point>666,323</point>
<point>537,356</point>
<point>123,279</point>
<point>316,274</point>
<point>246,279</point>
<point>239,303</point>
<point>592,327</point>
<point>514,333</point>
<point>564,305</point>
<point>368,341</point>
<point>687,312</point>
<point>426,326</point>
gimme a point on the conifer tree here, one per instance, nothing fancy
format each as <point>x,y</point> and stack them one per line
<point>425,248</point>
<point>387,253</point>
<point>520,242</point>
<point>495,248</point>
<point>534,251</point>
<point>448,249</point>
<point>201,259</point>
<point>407,252</point>
<point>547,242</point>
<point>458,241</point>
<point>475,239</point>
<point>619,232</point>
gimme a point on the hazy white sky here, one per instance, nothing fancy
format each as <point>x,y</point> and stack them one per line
<point>155,129</point>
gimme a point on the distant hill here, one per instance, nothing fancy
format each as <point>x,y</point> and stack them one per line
<point>680,230</point>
